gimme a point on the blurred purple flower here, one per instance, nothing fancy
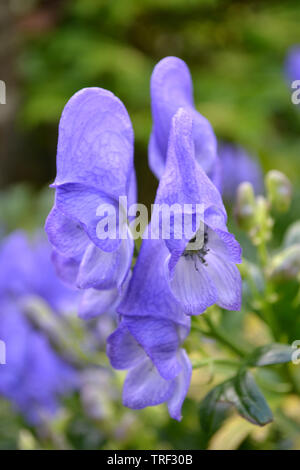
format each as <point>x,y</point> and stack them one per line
<point>237,166</point>
<point>198,278</point>
<point>27,270</point>
<point>171,89</point>
<point>94,167</point>
<point>292,64</point>
<point>34,376</point>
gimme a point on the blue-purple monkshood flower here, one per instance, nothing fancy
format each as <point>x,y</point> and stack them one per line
<point>94,169</point>
<point>292,64</point>
<point>34,376</point>
<point>238,166</point>
<point>198,277</point>
<point>149,337</point>
<point>27,270</point>
<point>171,89</point>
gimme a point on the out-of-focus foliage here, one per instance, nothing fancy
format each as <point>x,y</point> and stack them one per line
<point>235,50</point>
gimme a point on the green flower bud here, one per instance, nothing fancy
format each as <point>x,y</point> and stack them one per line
<point>279,190</point>
<point>262,231</point>
<point>292,235</point>
<point>245,206</point>
<point>286,265</point>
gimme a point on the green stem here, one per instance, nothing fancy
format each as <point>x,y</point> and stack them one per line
<point>197,364</point>
<point>266,310</point>
<point>215,333</point>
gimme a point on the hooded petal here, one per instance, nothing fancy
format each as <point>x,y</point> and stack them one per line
<point>145,387</point>
<point>171,89</point>
<point>227,280</point>
<point>95,144</point>
<point>184,183</point>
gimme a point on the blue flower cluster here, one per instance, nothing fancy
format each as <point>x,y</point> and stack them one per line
<point>34,376</point>
<point>171,280</point>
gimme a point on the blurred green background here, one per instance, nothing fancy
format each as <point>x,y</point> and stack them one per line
<point>236,52</point>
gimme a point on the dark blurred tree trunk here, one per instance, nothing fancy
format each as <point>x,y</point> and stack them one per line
<point>8,50</point>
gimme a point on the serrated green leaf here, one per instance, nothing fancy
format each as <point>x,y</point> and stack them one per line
<point>242,392</point>
<point>274,353</point>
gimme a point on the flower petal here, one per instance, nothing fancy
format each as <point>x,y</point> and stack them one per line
<point>160,340</point>
<point>182,383</point>
<point>97,302</point>
<point>105,270</point>
<point>227,279</point>
<point>95,144</point>
<point>224,244</point>
<point>184,182</point>
<point>81,204</point>
<point>191,285</point>
<point>148,292</point>
<point>145,387</point>
<point>123,350</point>
<point>171,89</point>
<point>66,268</point>
<point>67,236</point>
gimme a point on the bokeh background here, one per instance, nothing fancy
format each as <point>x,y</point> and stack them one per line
<point>52,48</point>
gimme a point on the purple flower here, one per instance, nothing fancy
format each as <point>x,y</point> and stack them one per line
<point>94,169</point>
<point>237,166</point>
<point>149,338</point>
<point>171,279</point>
<point>171,89</point>
<point>292,64</point>
<point>198,278</point>
<point>34,376</point>
<point>27,270</point>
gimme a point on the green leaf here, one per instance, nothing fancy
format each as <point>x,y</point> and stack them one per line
<point>240,391</point>
<point>274,353</point>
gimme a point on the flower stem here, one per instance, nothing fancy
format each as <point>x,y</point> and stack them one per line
<point>214,332</point>
<point>197,364</point>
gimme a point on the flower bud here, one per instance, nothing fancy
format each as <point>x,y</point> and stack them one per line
<point>279,190</point>
<point>245,206</point>
<point>286,265</point>
<point>292,235</point>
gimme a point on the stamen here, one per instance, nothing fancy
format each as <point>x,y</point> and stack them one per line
<point>198,254</point>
